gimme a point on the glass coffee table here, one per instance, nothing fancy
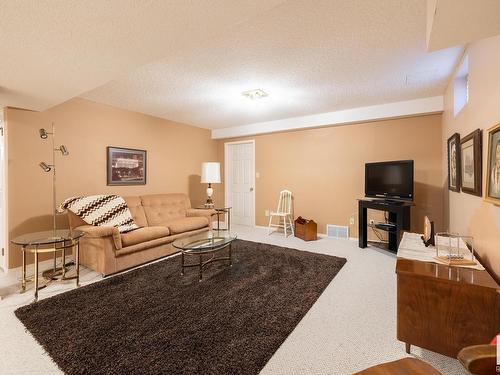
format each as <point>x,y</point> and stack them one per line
<point>206,243</point>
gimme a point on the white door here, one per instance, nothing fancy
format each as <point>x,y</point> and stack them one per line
<point>239,167</point>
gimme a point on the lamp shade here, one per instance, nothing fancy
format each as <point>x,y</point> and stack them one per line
<point>210,173</point>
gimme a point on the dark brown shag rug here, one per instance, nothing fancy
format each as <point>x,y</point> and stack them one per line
<point>153,321</point>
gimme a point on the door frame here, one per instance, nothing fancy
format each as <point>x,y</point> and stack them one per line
<point>226,174</point>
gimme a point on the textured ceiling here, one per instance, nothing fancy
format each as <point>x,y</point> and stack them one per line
<point>309,56</point>
<point>51,51</point>
<point>454,22</point>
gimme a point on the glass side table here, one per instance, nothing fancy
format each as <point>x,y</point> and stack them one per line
<point>51,241</point>
<point>226,211</point>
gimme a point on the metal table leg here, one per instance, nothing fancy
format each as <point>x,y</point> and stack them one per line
<point>36,273</point>
<point>201,268</point>
<point>63,267</point>
<point>54,270</point>
<point>77,263</point>
<point>23,283</point>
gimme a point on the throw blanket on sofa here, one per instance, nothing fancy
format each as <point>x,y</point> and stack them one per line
<point>102,210</point>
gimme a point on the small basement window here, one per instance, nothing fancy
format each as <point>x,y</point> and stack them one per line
<point>461,86</point>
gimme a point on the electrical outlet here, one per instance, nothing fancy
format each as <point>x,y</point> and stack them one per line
<point>372,221</point>
<point>266,212</point>
<point>351,221</point>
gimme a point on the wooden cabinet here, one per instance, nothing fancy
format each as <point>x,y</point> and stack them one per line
<point>445,309</point>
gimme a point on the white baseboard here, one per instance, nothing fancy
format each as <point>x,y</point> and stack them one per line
<point>320,235</point>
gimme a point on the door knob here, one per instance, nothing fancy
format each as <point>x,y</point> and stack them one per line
<point>251,189</point>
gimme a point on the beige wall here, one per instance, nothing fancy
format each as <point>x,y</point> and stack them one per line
<point>466,213</point>
<point>324,168</point>
<point>174,156</point>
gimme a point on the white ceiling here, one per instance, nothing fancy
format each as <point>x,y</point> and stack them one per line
<point>310,57</point>
<point>455,22</point>
<point>51,51</point>
<point>189,61</point>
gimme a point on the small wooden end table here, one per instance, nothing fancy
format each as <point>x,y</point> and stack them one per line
<point>52,241</point>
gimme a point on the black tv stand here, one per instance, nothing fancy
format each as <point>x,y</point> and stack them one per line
<point>388,201</point>
<point>399,214</point>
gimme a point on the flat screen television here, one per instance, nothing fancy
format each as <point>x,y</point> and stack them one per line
<point>392,180</point>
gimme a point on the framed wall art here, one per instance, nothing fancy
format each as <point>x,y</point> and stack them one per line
<point>471,163</point>
<point>126,166</point>
<point>454,162</point>
<point>493,166</point>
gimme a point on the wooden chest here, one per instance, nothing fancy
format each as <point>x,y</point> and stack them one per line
<point>306,229</point>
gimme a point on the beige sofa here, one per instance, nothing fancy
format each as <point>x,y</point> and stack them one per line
<point>162,217</point>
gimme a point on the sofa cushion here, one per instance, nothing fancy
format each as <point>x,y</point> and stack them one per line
<point>143,235</point>
<point>135,206</point>
<point>186,224</point>
<point>160,208</point>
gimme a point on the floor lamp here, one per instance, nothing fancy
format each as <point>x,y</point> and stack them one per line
<point>44,134</point>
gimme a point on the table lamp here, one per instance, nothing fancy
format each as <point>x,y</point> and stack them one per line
<point>210,174</point>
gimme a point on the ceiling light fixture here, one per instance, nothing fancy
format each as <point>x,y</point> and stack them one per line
<point>255,94</point>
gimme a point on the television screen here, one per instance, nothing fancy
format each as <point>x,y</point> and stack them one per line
<point>390,179</point>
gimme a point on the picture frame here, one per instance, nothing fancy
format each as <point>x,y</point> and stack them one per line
<point>126,166</point>
<point>454,161</point>
<point>471,174</point>
<point>492,193</point>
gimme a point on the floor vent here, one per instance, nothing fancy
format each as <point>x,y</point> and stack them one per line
<point>337,231</point>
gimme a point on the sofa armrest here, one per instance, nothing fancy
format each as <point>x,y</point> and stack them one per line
<point>93,231</point>
<point>478,359</point>
<point>200,212</point>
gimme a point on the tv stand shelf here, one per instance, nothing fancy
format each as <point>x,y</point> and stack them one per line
<point>386,228</point>
<point>399,214</point>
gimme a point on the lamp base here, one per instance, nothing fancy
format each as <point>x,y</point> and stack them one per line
<point>209,203</point>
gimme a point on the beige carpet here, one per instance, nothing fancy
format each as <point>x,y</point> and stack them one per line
<point>351,326</point>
